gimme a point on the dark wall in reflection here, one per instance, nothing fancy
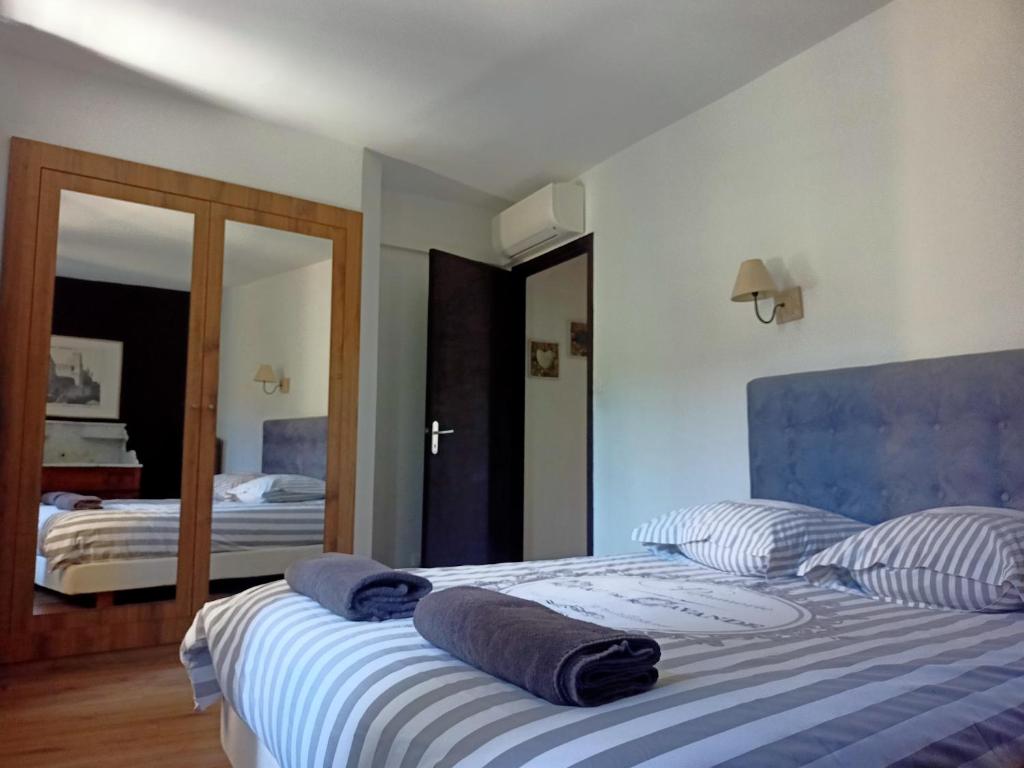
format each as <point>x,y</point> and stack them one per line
<point>152,323</point>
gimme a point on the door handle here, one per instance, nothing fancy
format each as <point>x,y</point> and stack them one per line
<point>435,433</point>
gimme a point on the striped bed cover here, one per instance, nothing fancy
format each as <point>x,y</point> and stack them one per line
<point>841,681</point>
<point>139,529</point>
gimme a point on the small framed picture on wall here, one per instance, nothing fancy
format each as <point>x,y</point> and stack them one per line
<point>543,362</point>
<point>579,339</point>
<point>85,378</point>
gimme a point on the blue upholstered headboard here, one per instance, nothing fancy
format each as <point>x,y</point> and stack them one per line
<point>295,446</point>
<point>881,441</point>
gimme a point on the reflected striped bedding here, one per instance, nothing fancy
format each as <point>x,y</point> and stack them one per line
<point>753,673</point>
<point>136,529</point>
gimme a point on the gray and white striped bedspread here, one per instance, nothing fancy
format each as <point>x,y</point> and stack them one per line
<point>753,673</point>
<point>137,529</point>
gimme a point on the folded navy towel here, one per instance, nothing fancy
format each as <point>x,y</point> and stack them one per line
<point>563,660</point>
<point>69,501</point>
<point>358,588</point>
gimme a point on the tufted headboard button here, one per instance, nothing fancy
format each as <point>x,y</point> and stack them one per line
<point>1004,496</point>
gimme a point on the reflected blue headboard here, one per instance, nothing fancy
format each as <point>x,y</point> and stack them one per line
<point>295,446</point>
<point>876,442</point>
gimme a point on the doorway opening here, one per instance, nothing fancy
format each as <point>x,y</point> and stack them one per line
<point>493,471</point>
<point>557,400</point>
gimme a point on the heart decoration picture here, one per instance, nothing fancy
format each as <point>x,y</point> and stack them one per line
<point>543,359</point>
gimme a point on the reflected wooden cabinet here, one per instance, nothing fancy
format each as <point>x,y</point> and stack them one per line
<point>105,482</point>
<point>50,189</point>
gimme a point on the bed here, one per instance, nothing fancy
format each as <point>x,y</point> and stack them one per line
<point>753,672</point>
<point>132,544</point>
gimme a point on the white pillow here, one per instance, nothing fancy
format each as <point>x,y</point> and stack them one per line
<point>749,538</point>
<point>223,483</point>
<point>966,558</point>
<point>278,489</point>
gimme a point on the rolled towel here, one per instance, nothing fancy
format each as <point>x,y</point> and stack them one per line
<point>70,501</point>
<point>563,660</point>
<point>358,588</point>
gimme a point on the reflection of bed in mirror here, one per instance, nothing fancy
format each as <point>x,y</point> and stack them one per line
<point>249,540</point>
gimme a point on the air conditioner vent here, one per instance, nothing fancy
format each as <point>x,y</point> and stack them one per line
<point>546,218</point>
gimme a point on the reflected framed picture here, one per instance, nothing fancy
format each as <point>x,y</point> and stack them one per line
<point>579,339</point>
<point>85,378</point>
<point>543,359</point>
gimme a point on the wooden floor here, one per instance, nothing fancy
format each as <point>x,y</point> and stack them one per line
<point>132,708</point>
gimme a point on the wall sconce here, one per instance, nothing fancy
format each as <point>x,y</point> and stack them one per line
<point>265,375</point>
<point>754,282</point>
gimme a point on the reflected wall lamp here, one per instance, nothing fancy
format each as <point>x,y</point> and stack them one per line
<point>265,375</point>
<point>754,282</point>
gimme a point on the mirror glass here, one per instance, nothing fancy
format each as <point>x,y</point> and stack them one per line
<point>272,400</point>
<point>112,461</point>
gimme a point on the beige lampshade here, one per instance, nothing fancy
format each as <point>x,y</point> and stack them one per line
<point>753,278</point>
<point>265,375</point>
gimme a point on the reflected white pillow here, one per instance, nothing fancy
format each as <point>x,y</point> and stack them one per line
<point>750,538</point>
<point>278,489</point>
<point>223,483</point>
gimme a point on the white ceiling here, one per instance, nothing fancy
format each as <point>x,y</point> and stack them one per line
<point>503,96</point>
<point>114,241</point>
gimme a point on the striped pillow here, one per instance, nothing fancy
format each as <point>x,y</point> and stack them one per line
<point>751,538</point>
<point>278,489</point>
<point>967,558</point>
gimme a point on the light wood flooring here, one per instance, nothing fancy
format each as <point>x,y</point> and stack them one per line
<point>130,708</point>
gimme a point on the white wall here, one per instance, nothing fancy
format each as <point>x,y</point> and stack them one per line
<point>369,298</point>
<point>282,320</point>
<point>156,125</point>
<point>555,439</point>
<point>401,395</point>
<point>410,226</point>
<point>419,223</point>
<point>882,170</point>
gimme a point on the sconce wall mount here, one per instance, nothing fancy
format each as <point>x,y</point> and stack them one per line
<point>789,304</point>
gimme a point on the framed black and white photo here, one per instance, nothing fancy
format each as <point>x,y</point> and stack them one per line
<point>85,378</point>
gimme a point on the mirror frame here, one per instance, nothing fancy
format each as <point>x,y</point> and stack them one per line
<point>37,174</point>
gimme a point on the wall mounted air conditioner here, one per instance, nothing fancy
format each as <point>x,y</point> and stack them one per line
<point>546,218</point>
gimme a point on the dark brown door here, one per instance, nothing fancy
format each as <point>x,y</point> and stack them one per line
<point>472,484</point>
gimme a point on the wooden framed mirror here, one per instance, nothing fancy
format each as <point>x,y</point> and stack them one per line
<point>279,279</point>
<point>107,265</point>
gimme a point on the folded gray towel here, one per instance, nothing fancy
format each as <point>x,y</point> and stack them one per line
<point>563,660</point>
<point>68,500</point>
<point>358,588</point>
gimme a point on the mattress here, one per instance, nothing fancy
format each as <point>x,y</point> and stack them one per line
<point>135,529</point>
<point>753,673</point>
<point>145,572</point>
